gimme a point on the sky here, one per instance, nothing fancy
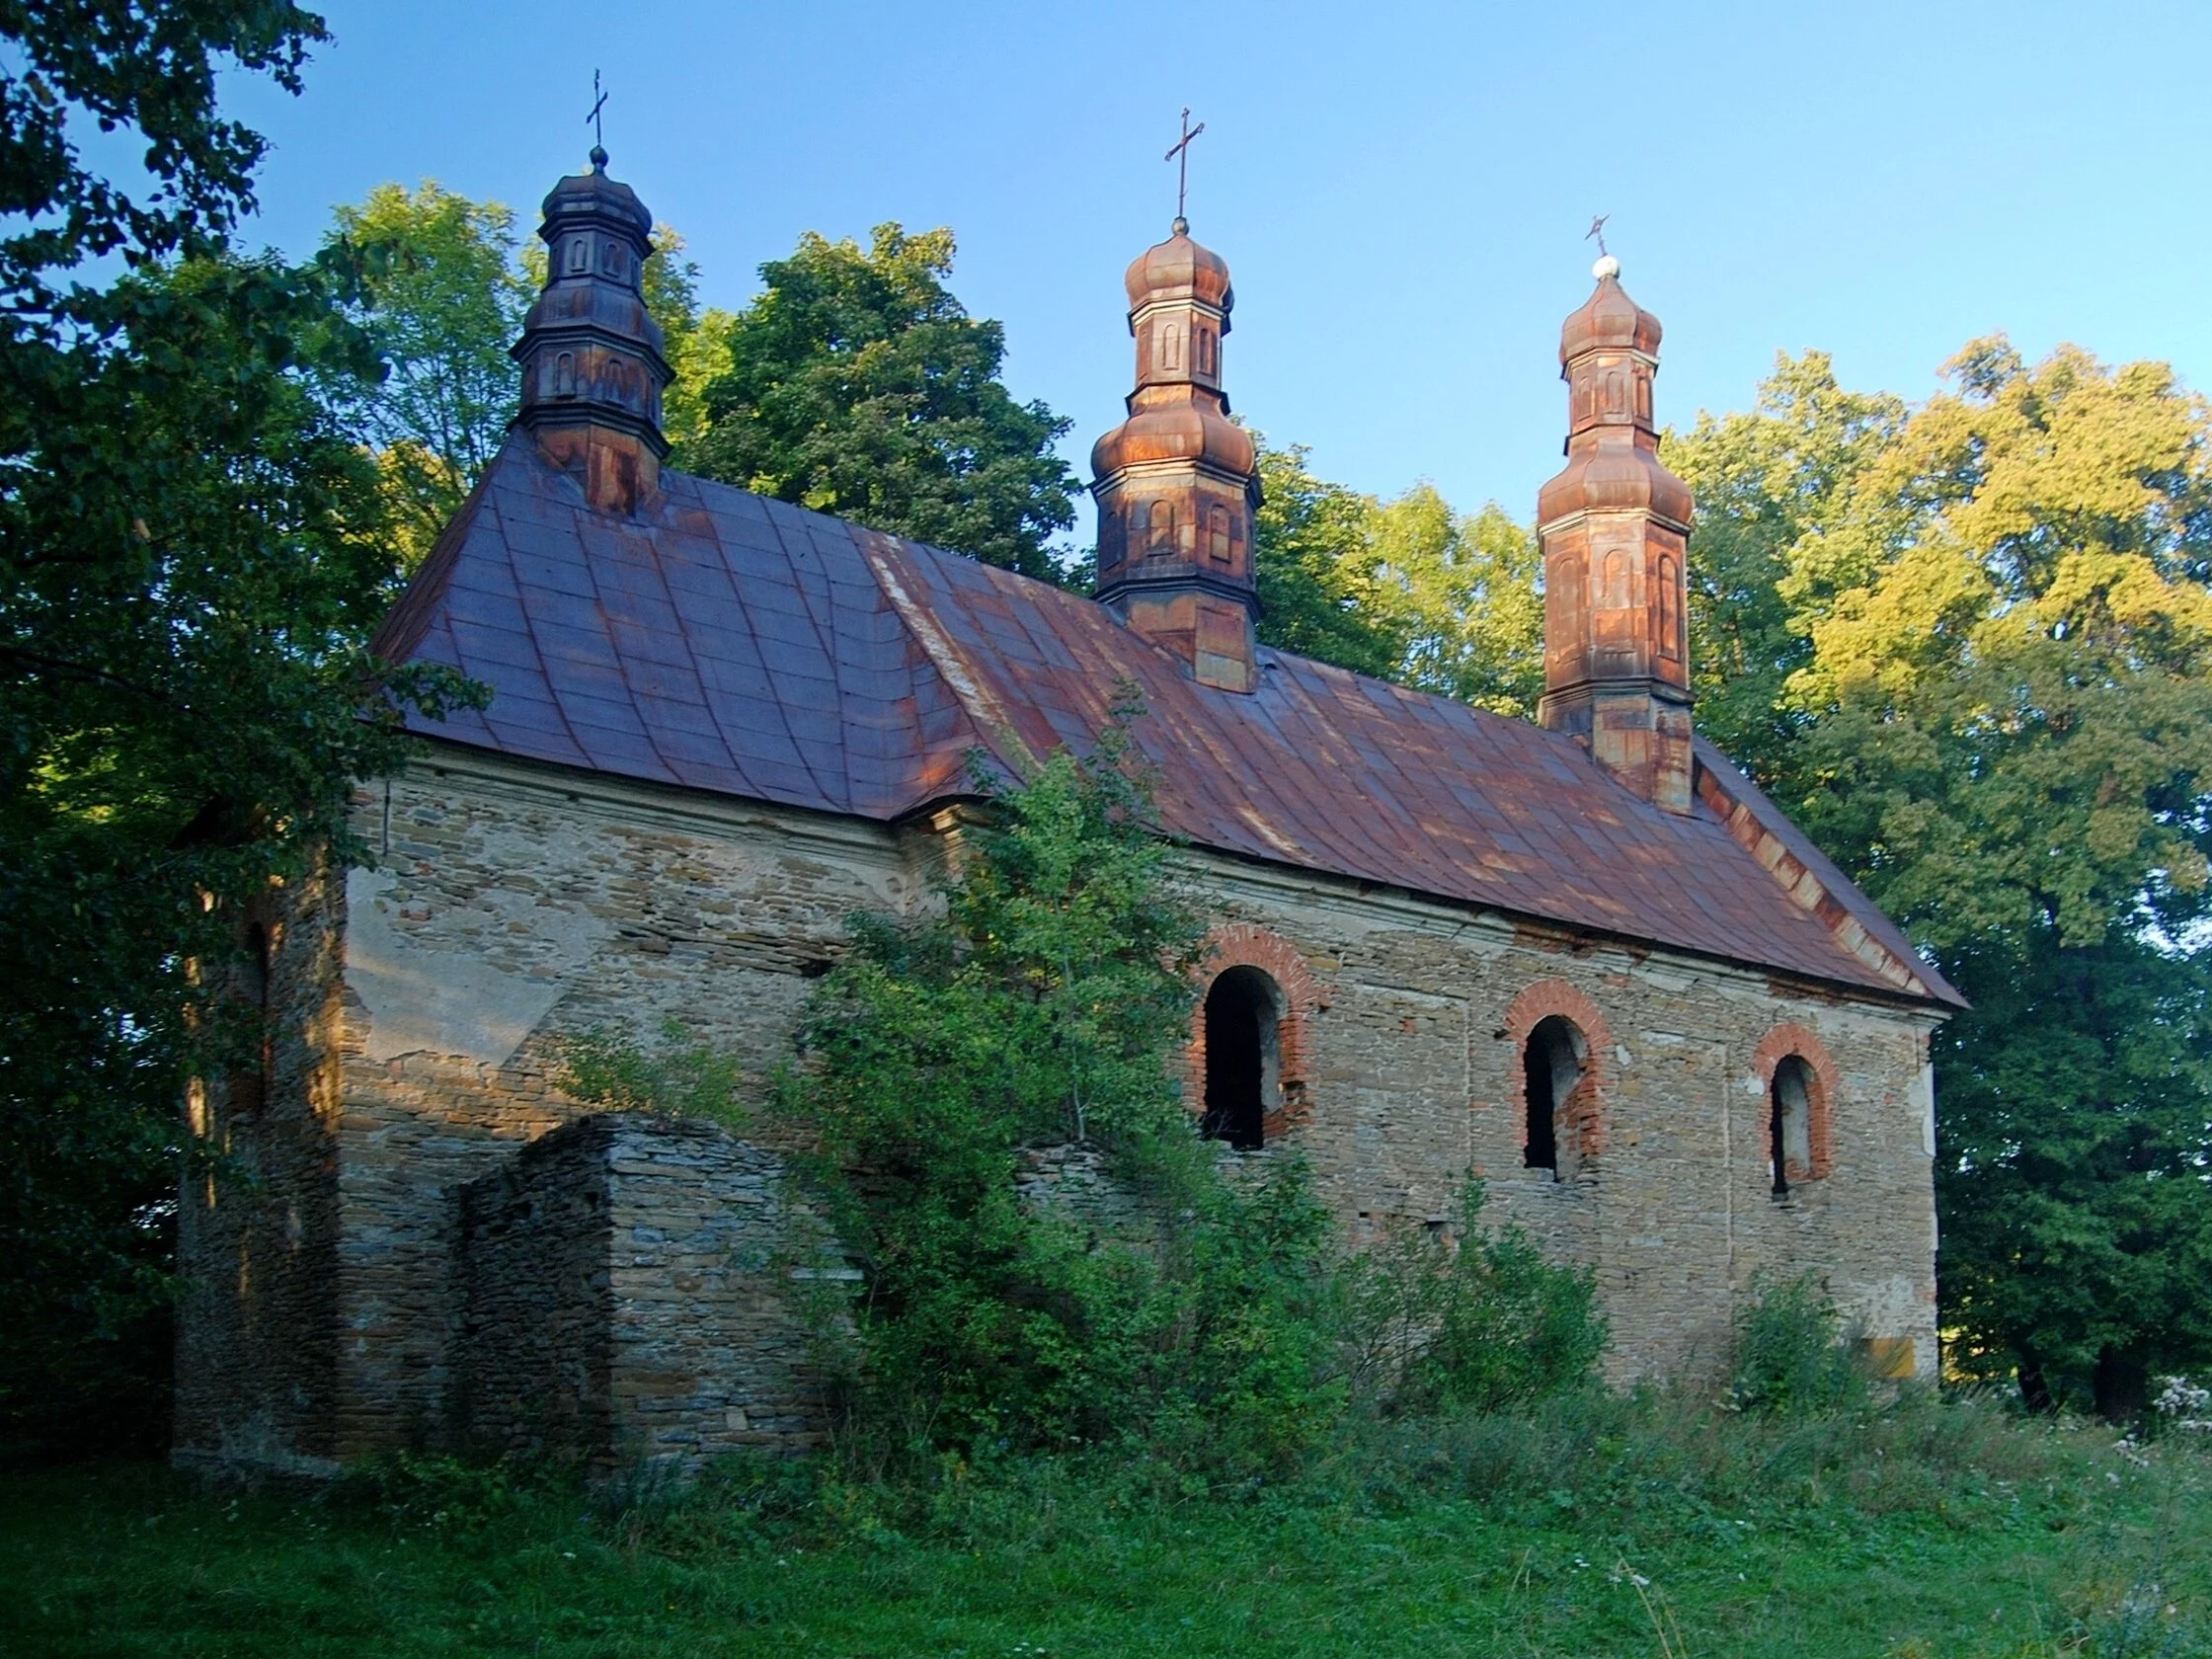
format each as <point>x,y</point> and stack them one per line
<point>1401,189</point>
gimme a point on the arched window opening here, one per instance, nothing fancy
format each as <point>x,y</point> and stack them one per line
<point>1553,1064</point>
<point>1789,1126</point>
<point>1244,1056</point>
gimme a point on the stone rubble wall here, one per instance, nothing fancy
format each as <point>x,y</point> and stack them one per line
<point>729,1298</point>
<point>535,1366</point>
<point>510,910</point>
<point>258,1221</point>
<point>640,1292</point>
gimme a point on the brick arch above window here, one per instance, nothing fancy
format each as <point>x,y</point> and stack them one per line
<point>1824,1082</point>
<point>1544,1000</point>
<point>1244,945</point>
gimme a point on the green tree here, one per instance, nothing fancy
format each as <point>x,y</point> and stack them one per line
<point>442,298</point>
<point>1763,481</point>
<point>858,385</point>
<point>192,562</point>
<point>2005,731</point>
<point>1469,594</point>
<point>1042,1004</point>
<point>1406,590</point>
<point>1319,575</point>
<point>698,340</point>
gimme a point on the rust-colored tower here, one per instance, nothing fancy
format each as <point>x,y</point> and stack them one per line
<point>1175,482</point>
<point>1615,525</point>
<point>592,372</point>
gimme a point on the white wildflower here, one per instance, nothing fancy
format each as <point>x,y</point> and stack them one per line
<point>2189,1406</point>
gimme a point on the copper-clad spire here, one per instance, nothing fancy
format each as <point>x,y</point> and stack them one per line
<point>1176,482</point>
<point>593,370</point>
<point>1615,528</point>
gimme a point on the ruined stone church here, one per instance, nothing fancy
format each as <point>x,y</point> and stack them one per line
<point>1582,958</point>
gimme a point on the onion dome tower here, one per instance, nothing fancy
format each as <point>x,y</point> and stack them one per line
<point>1176,482</point>
<point>1615,525</point>
<point>593,370</point>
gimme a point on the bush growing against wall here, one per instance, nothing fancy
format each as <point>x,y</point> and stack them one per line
<point>1046,1002</point>
<point>1479,1322</point>
<point>1791,1356</point>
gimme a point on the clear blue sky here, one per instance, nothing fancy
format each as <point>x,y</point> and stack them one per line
<point>1400,189</point>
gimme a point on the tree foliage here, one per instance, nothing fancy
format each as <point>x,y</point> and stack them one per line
<point>1763,481</point>
<point>191,545</point>
<point>1407,589</point>
<point>441,286</point>
<point>858,385</point>
<point>1967,644</point>
<point>440,296</point>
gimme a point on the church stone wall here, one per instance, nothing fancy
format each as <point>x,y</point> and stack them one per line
<point>1416,1084</point>
<point>512,905</point>
<point>258,1221</point>
<point>641,1291</point>
<point>534,1357</point>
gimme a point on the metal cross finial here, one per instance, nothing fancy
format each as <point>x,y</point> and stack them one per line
<point>599,130</point>
<point>1598,229</point>
<point>1180,153</point>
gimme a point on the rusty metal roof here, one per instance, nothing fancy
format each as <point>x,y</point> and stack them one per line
<point>730,643</point>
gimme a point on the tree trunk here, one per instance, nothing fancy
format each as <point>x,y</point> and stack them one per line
<point>2122,1384</point>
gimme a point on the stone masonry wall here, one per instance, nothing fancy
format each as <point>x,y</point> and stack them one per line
<point>512,905</point>
<point>256,1330</point>
<point>535,1359</point>
<point>636,1292</point>
<point>1416,1083</point>
<point>725,1291</point>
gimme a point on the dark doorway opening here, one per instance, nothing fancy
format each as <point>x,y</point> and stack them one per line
<point>1241,1057</point>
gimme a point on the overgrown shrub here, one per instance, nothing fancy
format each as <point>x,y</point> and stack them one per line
<point>1480,1323</point>
<point>1790,1356</point>
<point>681,1077</point>
<point>1224,1330</point>
<point>1041,1003</point>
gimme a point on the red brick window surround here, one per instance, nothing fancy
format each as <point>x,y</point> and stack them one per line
<point>1572,1034</point>
<point>1245,964</point>
<point>1808,1145</point>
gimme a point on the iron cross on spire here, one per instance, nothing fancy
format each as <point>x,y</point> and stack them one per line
<point>1180,153</point>
<point>599,130</point>
<point>1598,229</point>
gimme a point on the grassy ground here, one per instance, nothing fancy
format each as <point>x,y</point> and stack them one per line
<point>1649,1529</point>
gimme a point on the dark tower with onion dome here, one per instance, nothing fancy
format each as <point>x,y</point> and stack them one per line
<point>592,372</point>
